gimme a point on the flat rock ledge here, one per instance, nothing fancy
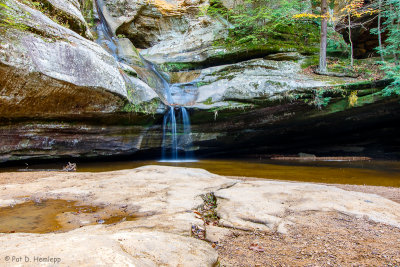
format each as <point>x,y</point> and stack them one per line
<point>166,198</point>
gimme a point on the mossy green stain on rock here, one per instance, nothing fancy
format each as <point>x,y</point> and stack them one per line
<point>149,107</point>
<point>208,101</point>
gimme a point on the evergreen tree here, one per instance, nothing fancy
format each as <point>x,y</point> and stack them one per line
<point>391,49</point>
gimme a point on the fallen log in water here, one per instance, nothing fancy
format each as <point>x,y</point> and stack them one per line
<point>322,158</point>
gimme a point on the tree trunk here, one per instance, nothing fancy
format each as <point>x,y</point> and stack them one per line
<point>351,42</point>
<point>324,34</point>
<point>379,31</point>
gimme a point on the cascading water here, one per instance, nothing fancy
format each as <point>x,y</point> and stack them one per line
<point>176,122</point>
<point>105,37</point>
<point>169,135</point>
<point>177,140</point>
<point>187,133</point>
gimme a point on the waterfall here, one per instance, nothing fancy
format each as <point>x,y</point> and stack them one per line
<point>105,38</point>
<point>187,133</point>
<point>176,135</point>
<point>176,122</point>
<point>169,128</point>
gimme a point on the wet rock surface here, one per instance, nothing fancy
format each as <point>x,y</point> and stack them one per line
<point>167,198</point>
<point>49,70</point>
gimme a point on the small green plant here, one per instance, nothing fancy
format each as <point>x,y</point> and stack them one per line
<point>199,84</point>
<point>177,66</point>
<point>87,12</point>
<point>353,98</point>
<point>149,107</point>
<point>208,210</point>
<point>145,107</point>
<point>208,101</point>
<point>319,100</point>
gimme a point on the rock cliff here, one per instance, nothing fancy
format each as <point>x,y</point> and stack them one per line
<point>62,94</point>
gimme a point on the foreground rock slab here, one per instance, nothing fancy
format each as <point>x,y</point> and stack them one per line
<point>270,205</point>
<point>165,199</point>
<point>86,247</point>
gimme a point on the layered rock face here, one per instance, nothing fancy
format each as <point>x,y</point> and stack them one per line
<point>55,72</point>
<point>64,95</point>
<point>50,70</point>
<point>364,42</point>
<point>35,139</point>
<point>168,31</point>
<point>69,11</point>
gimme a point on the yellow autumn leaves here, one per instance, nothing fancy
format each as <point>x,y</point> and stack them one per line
<point>354,8</point>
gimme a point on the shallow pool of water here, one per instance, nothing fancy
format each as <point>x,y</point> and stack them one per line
<point>383,173</point>
<point>53,215</point>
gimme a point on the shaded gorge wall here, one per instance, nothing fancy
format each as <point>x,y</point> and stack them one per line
<point>287,128</point>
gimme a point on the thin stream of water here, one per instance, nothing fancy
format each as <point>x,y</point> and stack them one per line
<point>171,136</point>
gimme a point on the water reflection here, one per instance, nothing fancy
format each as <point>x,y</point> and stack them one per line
<point>383,173</point>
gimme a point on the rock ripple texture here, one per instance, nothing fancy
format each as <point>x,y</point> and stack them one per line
<point>168,196</point>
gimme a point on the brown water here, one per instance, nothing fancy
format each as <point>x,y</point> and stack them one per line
<point>381,173</point>
<point>53,215</point>
<point>369,173</point>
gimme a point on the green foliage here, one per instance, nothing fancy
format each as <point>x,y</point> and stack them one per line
<point>319,100</point>
<point>310,61</point>
<point>177,66</point>
<point>336,46</point>
<point>87,11</point>
<point>208,209</point>
<point>353,98</point>
<point>55,15</point>
<point>392,72</point>
<point>199,84</point>
<point>208,101</point>
<point>8,19</point>
<point>260,22</point>
<point>391,49</point>
<point>149,107</point>
<point>3,13</point>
